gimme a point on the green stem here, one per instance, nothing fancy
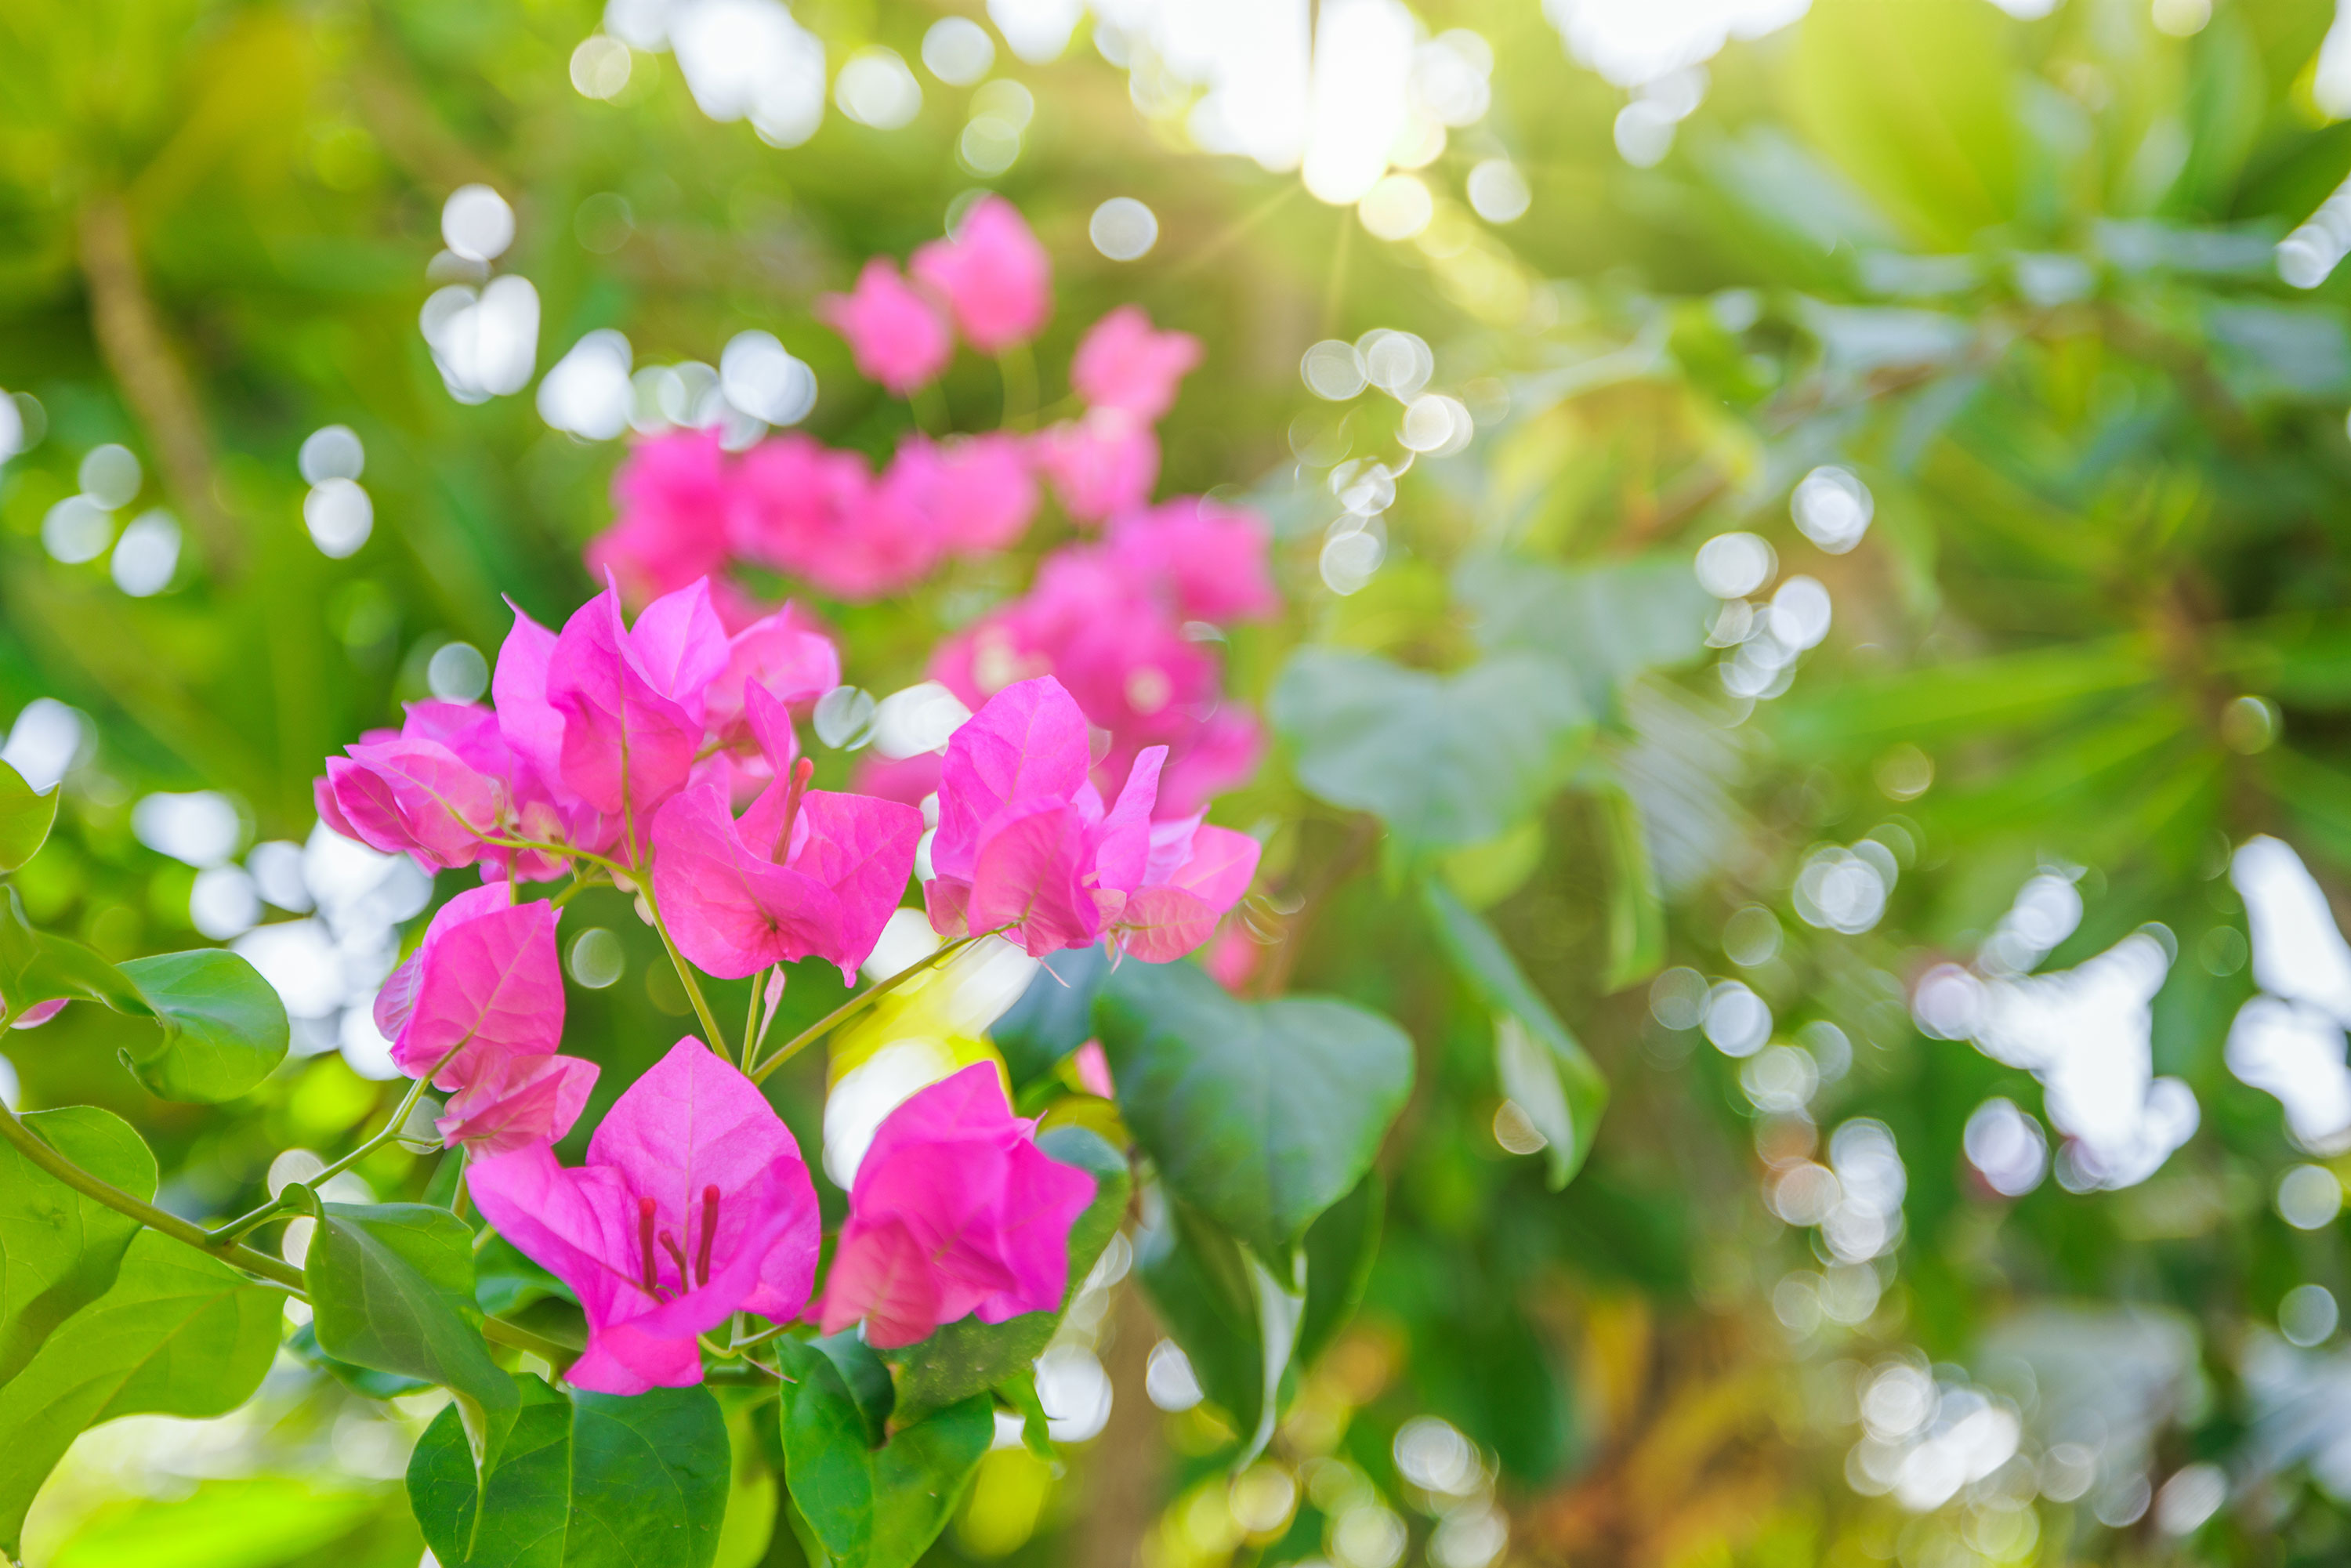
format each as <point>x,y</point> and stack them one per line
<point>228,1252</point>
<point>277,1270</point>
<point>642,883</point>
<point>856,1005</point>
<point>692,986</point>
<point>243,1223</point>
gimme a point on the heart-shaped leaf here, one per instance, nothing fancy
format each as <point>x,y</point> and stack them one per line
<point>1539,1062</point>
<point>969,1357</point>
<point>391,1287</point>
<point>26,817</point>
<point>1444,760</point>
<point>178,1333</point>
<point>60,1250</point>
<point>1260,1116</point>
<point>859,1507</point>
<point>224,1027</point>
<point>593,1481</point>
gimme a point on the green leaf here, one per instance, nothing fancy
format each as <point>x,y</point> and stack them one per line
<point>968,1358</point>
<point>391,1288</point>
<point>1263,1115</point>
<point>921,1475</point>
<point>1540,1063</point>
<point>861,1507</point>
<point>1966,700</point>
<point>177,1334</point>
<point>303,1344</point>
<point>1602,624</point>
<point>36,968</point>
<point>1637,914</point>
<point>827,1466</point>
<point>224,1026</point>
<point>1916,103</point>
<point>1444,760</point>
<point>595,1480</point>
<point>1229,1315</point>
<point>25,818</point>
<point>60,1250</point>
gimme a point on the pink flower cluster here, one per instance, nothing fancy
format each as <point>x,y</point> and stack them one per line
<point>661,754</point>
<point>1127,626</point>
<point>1026,847</point>
<point>686,508</point>
<point>694,1205</point>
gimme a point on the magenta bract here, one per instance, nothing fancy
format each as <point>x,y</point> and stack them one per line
<point>694,1205</point>
<point>954,1212</point>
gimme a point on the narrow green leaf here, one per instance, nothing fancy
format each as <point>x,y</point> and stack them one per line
<point>828,1467</point>
<point>224,1027</point>
<point>752,1495</point>
<point>1540,1063</point>
<point>1198,1282</point>
<point>970,1357</point>
<point>1637,913</point>
<point>60,1250</point>
<point>1263,1115</point>
<point>391,1288</point>
<point>177,1334</point>
<point>25,818</point>
<point>593,1481</point>
<point>1963,700</point>
<point>1340,1247</point>
<point>1444,760</point>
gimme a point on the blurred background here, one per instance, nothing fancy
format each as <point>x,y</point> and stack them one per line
<point>1917,428</point>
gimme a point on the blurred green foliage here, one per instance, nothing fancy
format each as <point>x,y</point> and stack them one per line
<point>2015,276</point>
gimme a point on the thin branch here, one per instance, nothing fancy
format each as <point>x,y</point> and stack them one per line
<point>131,339</point>
<point>277,1270</point>
<point>856,1005</point>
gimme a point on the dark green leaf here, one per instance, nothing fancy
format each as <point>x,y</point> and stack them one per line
<point>58,1249</point>
<point>865,1508</point>
<point>1540,1063</point>
<point>1444,760</point>
<point>391,1287</point>
<point>1053,1017</point>
<point>224,1027</point>
<point>593,1481</point>
<point>1261,1115</point>
<point>866,1378</point>
<point>965,1358</point>
<point>177,1334</point>
<point>25,818</point>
